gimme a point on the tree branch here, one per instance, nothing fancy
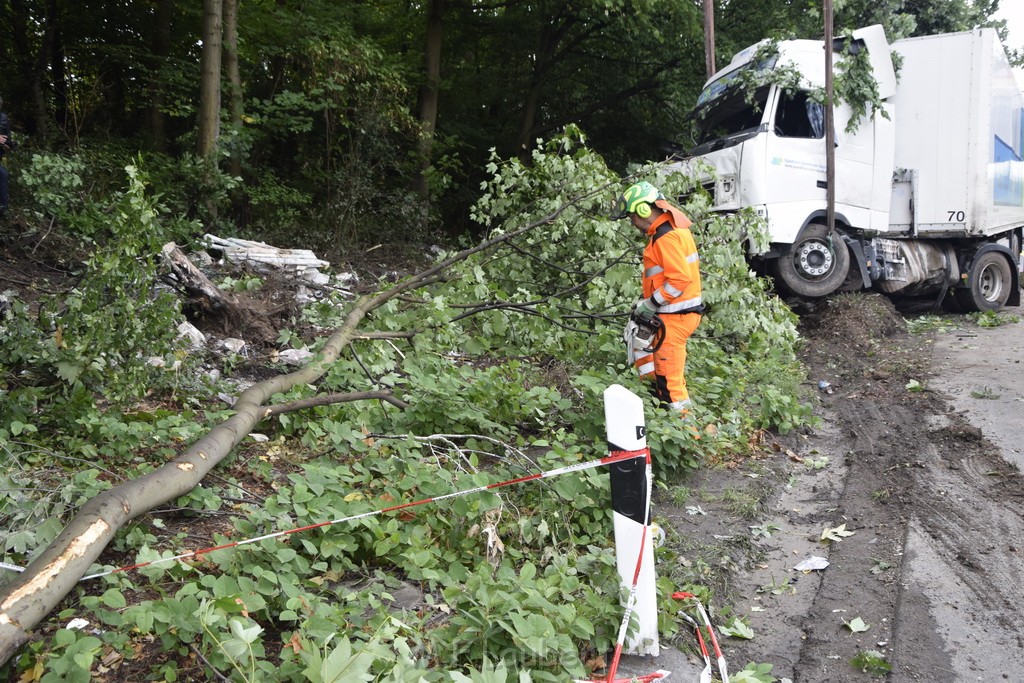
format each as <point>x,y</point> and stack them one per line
<point>34,593</point>
<point>329,399</point>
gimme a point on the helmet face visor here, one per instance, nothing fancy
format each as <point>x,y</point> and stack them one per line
<point>619,210</point>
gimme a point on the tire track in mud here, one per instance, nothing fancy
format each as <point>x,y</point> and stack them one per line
<point>936,564</point>
<point>964,558</point>
<point>885,450</point>
<point>928,495</point>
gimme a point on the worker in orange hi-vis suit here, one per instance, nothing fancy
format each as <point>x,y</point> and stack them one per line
<point>671,288</point>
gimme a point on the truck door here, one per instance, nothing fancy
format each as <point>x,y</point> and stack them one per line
<point>855,152</point>
<point>795,151</point>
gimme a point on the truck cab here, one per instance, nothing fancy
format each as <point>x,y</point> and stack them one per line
<point>765,144</point>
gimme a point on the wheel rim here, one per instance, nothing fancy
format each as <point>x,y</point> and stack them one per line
<point>814,259</point>
<point>990,283</point>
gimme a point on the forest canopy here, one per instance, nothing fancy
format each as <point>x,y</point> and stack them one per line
<point>342,119</point>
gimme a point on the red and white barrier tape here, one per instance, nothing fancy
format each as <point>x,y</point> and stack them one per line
<point>722,668</point>
<point>705,675</point>
<point>612,457</point>
<point>658,675</point>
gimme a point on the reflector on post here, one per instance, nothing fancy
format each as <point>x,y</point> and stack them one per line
<point>631,489</point>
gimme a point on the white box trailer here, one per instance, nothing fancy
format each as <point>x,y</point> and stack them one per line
<point>929,189</point>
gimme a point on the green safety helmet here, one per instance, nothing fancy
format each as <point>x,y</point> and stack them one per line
<point>636,199</point>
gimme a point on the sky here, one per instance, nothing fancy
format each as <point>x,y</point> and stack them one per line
<point>1013,12</point>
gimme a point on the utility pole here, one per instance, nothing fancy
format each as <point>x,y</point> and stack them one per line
<point>709,36</point>
<point>830,132</point>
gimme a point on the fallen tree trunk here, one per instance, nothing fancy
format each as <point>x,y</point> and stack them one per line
<point>39,589</point>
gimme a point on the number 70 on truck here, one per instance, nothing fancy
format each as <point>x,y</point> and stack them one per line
<point>929,187</point>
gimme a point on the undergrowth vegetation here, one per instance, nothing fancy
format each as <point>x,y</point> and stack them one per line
<point>503,377</point>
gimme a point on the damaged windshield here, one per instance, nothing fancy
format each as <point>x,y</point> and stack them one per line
<point>728,119</point>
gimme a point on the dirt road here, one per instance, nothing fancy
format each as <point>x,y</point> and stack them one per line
<point>915,472</point>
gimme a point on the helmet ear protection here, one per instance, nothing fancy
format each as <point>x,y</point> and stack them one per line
<point>637,199</point>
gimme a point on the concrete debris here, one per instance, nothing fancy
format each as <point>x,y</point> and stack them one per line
<point>191,333</point>
<point>812,563</point>
<point>303,295</point>
<point>201,259</point>
<point>158,362</point>
<point>294,356</point>
<point>248,251</point>
<point>346,278</point>
<point>315,277</point>
<point>233,345</point>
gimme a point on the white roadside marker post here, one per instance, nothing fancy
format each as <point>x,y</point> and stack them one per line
<point>631,483</point>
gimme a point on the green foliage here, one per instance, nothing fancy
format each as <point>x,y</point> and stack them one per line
<point>93,337</point>
<point>994,319</point>
<point>871,662</point>
<point>754,673</point>
<point>56,184</point>
<point>855,84</point>
<point>505,378</point>
<point>77,651</point>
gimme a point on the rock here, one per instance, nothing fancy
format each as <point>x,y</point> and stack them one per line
<point>304,296</point>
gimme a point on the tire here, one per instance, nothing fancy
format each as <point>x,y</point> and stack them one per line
<point>816,265</point>
<point>990,280</point>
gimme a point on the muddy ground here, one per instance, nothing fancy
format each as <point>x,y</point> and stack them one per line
<point>917,455</point>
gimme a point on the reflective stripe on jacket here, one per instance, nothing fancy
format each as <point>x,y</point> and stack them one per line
<point>671,264</point>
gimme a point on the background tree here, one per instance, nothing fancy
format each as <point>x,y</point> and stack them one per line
<point>210,85</point>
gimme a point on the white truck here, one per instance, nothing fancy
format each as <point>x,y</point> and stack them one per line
<point>929,200</point>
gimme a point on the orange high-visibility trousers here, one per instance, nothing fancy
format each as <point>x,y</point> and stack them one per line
<point>670,360</point>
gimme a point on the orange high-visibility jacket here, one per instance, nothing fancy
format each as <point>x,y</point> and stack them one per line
<point>671,263</point>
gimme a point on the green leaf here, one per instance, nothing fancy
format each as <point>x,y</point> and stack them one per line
<point>836,534</point>
<point>737,629</point>
<point>114,599</point>
<point>68,371</point>
<point>857,625</point>
<point>246,635</point>
<point>754,673</point>
<point>64,637</point>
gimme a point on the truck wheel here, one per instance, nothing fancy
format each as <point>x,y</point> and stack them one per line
<point>816,265</point>
<point>990,284</point>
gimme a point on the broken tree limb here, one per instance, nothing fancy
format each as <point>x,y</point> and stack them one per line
<point>328,399</point>
<point>35,592</point>
<point>211,302</point>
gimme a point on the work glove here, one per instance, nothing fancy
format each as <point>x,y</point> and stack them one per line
<point>644,310</point>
